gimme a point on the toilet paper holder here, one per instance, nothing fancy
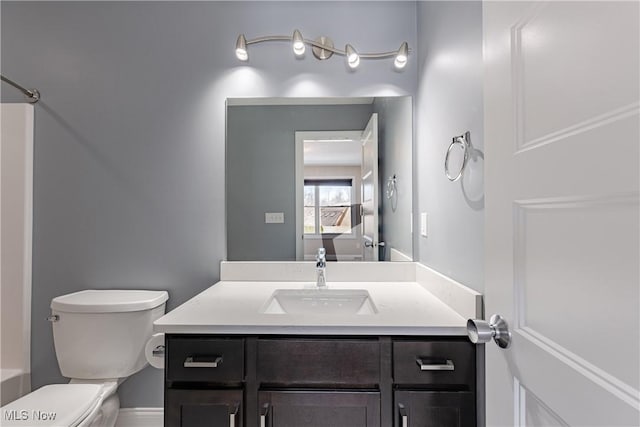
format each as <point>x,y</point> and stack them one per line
<point>155,351</point>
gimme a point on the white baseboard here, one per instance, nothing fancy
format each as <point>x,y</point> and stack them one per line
<point>140,417</point>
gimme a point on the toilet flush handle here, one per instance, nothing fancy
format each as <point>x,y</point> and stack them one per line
<point>53,318</point>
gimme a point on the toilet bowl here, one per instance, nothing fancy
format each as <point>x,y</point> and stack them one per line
<point>100,338</point>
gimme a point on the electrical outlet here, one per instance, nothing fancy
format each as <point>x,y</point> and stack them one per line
<point>424,228</point>
<point>274,218</point>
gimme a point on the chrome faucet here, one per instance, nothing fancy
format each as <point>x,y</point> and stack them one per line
<point>321,265</point>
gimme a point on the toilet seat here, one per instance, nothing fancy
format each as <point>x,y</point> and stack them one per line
<point>56,405</point>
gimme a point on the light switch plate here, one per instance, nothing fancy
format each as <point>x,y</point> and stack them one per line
<point>274,218</point>
<point>424,217</point>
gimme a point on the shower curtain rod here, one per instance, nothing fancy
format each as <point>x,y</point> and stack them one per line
<point>32,94</point>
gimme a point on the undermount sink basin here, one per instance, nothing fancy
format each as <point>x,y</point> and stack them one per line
<point>319,301</point>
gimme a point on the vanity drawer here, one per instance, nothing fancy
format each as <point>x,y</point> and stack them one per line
<point>319,362</point>
<point>203,359</point>
<point>434,362</point>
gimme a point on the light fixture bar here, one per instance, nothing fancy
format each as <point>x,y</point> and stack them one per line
<point>333,49</point>
<point>371,55</point>
<point>269,39</point>
<point>306,41</point>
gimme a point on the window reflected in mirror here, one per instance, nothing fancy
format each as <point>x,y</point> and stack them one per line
<point>327,206</point>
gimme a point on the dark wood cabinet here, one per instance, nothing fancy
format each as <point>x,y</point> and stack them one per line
<point>319,361</point>
<point>435,383</point>
<point>198,408</point>
<point>449,363</point>
<point>434,408</point>
<point>205,359</point>
<point>296,381</point>
<point>319,409</point>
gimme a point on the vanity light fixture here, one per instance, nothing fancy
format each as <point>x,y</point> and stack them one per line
<point>402,56</point>
<point>241,48</point>
<point>323,48</point>
<point>298,43</point>
<point>353,59</point>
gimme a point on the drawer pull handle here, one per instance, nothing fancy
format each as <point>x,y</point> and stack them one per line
<point>404,418</point>
<point>232,416</point>
<point>202,362</point>
<point>430,366</point>
<point>264,411</point>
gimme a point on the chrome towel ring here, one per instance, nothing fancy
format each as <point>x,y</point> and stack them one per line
<point>392,183</point>
<point>463,140</point>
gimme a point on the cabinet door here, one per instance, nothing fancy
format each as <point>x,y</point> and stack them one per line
<point>434,408</point>
<point>319,409</point>
<point>200,408</point>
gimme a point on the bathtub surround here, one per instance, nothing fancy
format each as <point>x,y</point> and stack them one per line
<point>16,154</point>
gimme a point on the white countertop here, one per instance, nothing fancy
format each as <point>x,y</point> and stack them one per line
<point>234,307</point>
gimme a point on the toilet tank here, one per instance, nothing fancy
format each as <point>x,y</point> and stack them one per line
<point>102,333</point>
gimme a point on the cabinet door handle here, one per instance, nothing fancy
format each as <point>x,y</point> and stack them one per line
<point>264,412</point>
<point>233,414</point>
<point>404,418</point>
<point>438,366</point>
<point>202,361</point>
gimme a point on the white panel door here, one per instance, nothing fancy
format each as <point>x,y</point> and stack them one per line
<point>562,212</point>
<point>369,193</point>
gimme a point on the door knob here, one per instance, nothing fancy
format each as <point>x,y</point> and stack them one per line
<point>481,331</point>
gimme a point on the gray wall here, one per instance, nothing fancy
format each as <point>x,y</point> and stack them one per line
<point>129,138</point>
<point>261,172</point>
<point>449,102</point>
<point>395,138</point>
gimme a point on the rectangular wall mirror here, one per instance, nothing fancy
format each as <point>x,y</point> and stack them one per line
<point>304,173</point>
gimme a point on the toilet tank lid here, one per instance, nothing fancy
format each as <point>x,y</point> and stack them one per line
<point>109,301</point>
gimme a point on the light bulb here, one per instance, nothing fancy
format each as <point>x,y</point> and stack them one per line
<point>353,59</point>
<point>402,56</point>
<point>298,43</point>
<point>241,48</point>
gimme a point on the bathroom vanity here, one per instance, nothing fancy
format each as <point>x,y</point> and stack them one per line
<point>267,353</point>
<point>294,381</point>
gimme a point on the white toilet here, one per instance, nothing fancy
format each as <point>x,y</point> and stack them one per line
<point>100,338</point>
